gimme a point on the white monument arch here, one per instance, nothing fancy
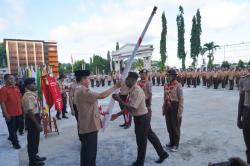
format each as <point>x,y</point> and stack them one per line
<point>144,52</point>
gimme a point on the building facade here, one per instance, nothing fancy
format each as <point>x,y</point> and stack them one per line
<point>144,52</point>
<point>25,53</point>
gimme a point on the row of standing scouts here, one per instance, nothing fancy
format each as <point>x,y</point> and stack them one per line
<point>210,78</point>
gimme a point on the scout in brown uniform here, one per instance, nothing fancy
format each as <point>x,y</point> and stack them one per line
<point>208,78</point>
<point>215,79</point>
<point>152,137</point>
<point>194,78</point>
<point>72,103</point>
<point>244,110</point>
<point>158,79</point>
<point>137,106</point>
<point>231,79</point>
<point>188,75</point>
<point>109,78</point>
<point>153,78</point>
<point>64,91</point>
<point>30,107</point>
<point>204,77</point>
<point>89,116</point>
<point>173,109</point>
<point>163,78</point>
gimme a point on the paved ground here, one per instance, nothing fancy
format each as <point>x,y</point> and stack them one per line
<point>209,133</point>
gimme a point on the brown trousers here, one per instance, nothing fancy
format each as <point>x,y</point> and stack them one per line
<point>246,131</point>
<point>173,123</point>
<point>142,124</point>
<point>154,140</point>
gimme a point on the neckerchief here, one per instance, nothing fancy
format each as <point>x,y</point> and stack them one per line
<point>142,83</point>
<point>168,88</point>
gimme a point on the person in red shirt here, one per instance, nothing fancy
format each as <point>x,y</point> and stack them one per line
<point>10,100</point>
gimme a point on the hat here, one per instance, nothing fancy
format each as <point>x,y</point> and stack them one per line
<point>61,76</point>
<point>133,75</point>
<point>29,81</point>
<point>172,72</point>
<point>143,71</point>
<point>82,73</point>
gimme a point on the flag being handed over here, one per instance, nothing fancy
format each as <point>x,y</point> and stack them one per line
<point>109,109</point>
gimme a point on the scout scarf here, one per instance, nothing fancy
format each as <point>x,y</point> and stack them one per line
<point>168,90</point>
<point>141,83</point>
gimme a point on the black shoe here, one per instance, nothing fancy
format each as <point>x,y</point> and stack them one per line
<point>38,158</point>
<point>58,117</point>
<point>36,163</point>
<point>122,125</point>
<point>127,126</point>
<point>65,117</point>
<point>9,139</point>
<point>136,164</point>
<point>66,112</point>
<point>16,146</point>
<point>21,133</point>
<point>169,146</point>
<point>162,158</point>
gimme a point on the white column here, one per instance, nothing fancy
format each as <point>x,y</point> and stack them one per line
<point>26,55</point>
<point>8,56</point>
<point>34,46</point>
<point>17,56</point>
<point>117,65</point>
<point>42,52</point>
<point>147,62</point>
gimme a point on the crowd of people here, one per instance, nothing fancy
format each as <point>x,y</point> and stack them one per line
<point>19,101</point>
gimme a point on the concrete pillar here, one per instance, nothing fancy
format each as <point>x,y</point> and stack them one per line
<point>147,62</point>
<point>117,66</point>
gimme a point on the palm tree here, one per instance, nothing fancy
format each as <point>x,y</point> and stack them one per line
<point>211,48</point>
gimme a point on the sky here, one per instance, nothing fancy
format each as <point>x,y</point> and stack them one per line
<point>86,27</point>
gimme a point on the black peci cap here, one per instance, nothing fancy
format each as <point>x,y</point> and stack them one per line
<point>143,71</point>
<point>29,81</point>
<point>82,73</point>
<point>133,75</point>
<point>172,72</point>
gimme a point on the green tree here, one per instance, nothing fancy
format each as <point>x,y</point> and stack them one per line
<point>2,55</point>
<point>79,65</point>
<point>65,68</point>
<point>199,31</point>
<point>225,64</point>
<point>241,64</point>
<point>210,48</point>
<point>99,65</point>
<point>181,40</point>
<point>117,46</point>
<point>163,41</point>
<point>137,64</point>
<point>193,42</point>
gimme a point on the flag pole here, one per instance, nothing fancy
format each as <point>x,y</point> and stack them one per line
<point>127,68</point>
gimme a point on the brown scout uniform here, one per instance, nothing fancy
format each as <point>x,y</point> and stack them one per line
<point>244,111</point>
<point>141,120</point>
<point>173,105</point>
<point>89,121</point>
<point>29,102</point>
<point>152,137</point>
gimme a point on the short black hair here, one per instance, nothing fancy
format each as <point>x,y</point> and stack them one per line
<point>5,77</point>
<point>29,81</point>
<point>133,75</point>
